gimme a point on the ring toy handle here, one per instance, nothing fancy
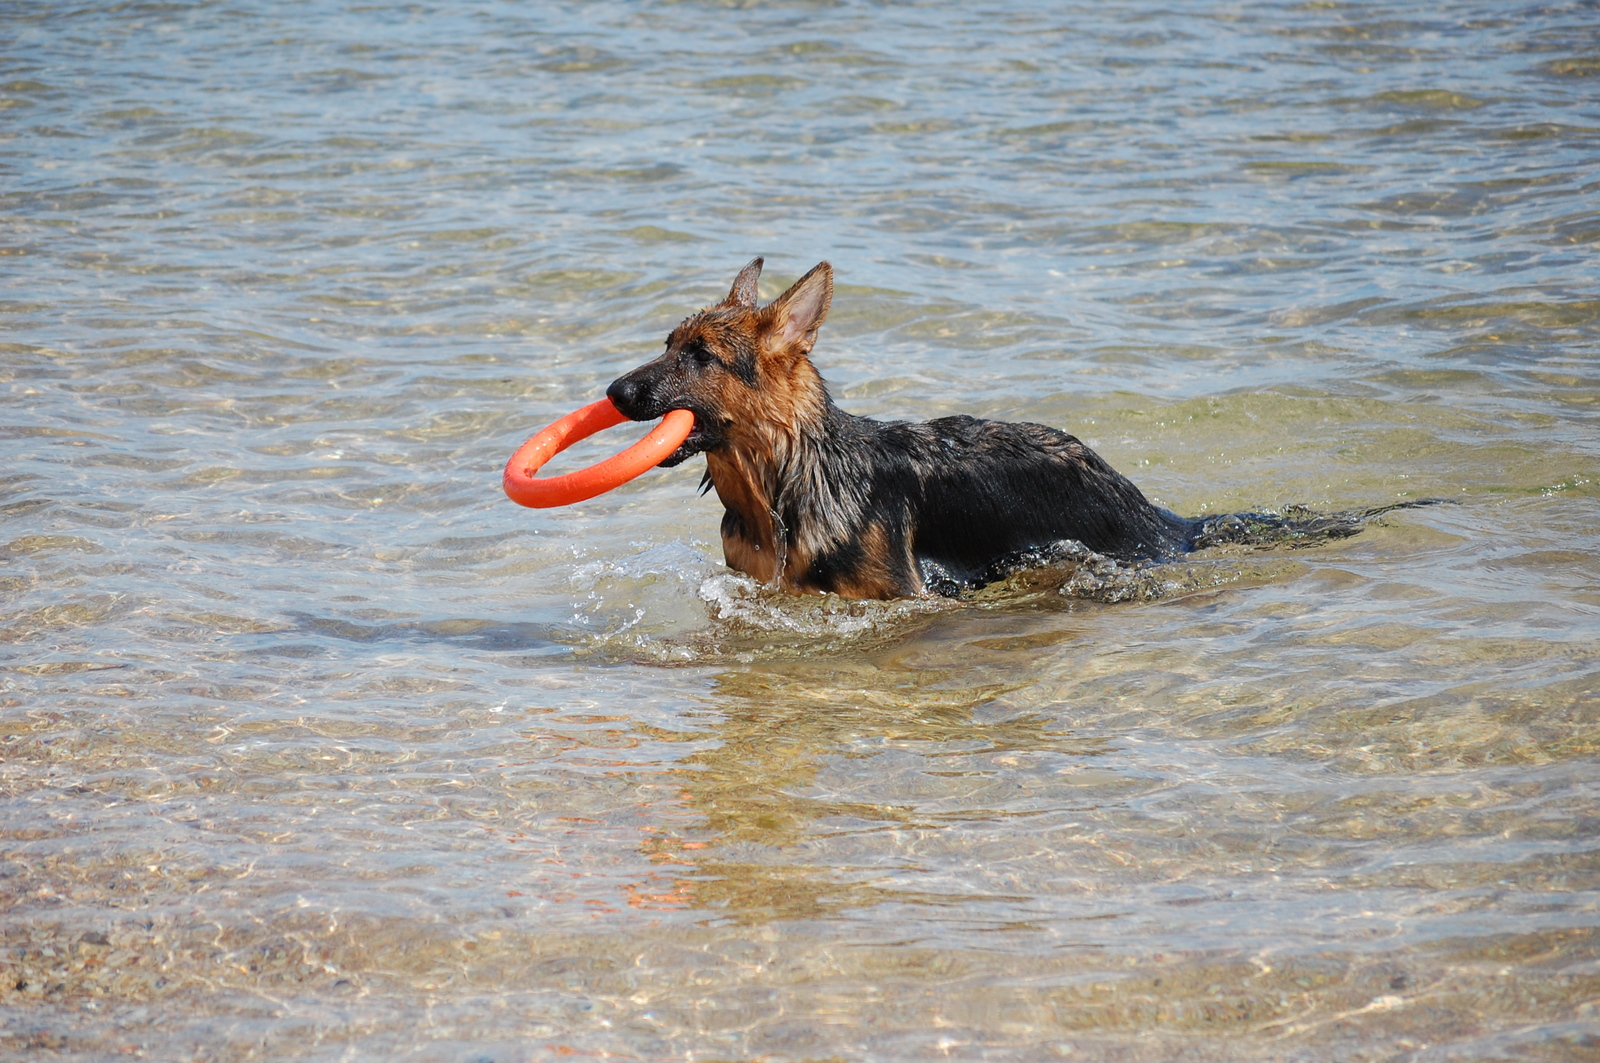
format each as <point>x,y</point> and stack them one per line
<point>525,490</point>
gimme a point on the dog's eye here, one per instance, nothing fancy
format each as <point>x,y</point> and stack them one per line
<point>702,356</point>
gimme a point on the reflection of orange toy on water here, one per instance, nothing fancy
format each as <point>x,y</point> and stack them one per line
<point>676,898</point>
<point>524,489</point>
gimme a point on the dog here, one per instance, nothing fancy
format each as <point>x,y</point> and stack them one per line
<point>822,501</point>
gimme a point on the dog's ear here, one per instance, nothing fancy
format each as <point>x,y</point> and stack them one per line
<point>795,316</point>
<point>743,292</point>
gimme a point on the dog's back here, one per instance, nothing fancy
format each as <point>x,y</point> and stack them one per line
<point>989,489</point>
<point>934,505</point>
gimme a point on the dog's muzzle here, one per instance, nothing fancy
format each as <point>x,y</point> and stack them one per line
<point>634,398</point>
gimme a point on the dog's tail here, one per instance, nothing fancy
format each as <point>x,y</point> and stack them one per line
<point>1295,526</point>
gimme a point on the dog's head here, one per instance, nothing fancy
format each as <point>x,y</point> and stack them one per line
<point>738,367</point>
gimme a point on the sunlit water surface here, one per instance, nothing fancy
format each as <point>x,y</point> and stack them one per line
<point>317,748</point>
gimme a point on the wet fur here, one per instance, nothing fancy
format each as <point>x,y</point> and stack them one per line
<point>820,500</point>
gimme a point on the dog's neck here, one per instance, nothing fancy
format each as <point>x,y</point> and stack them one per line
<point>759,466</point>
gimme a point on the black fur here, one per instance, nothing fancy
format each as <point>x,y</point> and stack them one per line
<point>955,495</point>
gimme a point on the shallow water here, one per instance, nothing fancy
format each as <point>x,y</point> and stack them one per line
<point>316,747</point>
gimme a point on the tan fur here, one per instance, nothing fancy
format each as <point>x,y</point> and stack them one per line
<point>744,371</point>
<point>874,580</point>
<point>761,425</point>
<point>746,490</point>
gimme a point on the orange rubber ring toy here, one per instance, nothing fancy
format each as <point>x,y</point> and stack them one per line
<point>523,489</point>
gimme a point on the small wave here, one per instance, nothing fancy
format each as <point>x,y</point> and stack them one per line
<point>672,604</point>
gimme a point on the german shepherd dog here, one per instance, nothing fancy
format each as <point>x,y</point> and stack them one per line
<point>819,500</point>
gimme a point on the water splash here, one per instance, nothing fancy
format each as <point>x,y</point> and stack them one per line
<point>1070,570</point>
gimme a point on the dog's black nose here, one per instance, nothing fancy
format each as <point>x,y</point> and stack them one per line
<point>627,395</point>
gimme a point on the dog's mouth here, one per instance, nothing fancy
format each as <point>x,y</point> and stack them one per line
<point>697,441</point>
